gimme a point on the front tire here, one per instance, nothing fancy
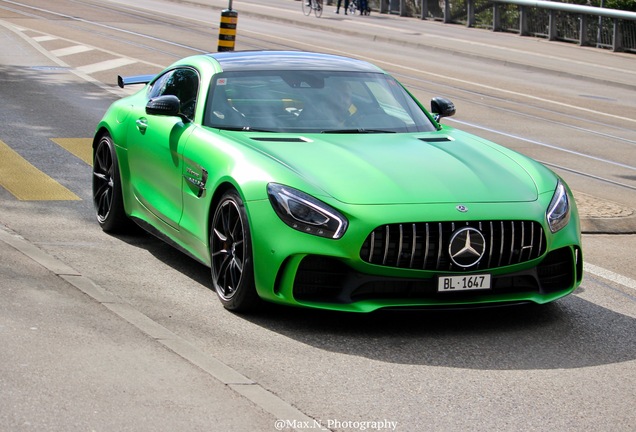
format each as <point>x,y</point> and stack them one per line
<point>231,255</point>
<point>306,7</point>
<point>107,193</point>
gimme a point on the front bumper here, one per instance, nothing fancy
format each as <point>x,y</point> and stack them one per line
<point>328,283</point>
<point>303,270</point>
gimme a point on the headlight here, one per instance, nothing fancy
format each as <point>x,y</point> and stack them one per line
<point>305,213</point>
<point>558,213</point>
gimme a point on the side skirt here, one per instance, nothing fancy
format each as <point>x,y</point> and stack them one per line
<point>166,239</point>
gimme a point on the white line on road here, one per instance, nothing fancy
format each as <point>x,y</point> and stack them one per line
<point>44,38</point>
<point>610,275</point>
<point>76,49</point>
<point>105,65</point>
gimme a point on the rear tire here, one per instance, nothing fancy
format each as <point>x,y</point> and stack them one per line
<point>107,193</point>
<point>231,255</point>
<point>319,8</point>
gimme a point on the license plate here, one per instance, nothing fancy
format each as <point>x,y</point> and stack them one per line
<point>463,283</point>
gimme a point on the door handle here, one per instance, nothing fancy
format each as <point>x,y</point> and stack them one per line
<point>142,125</point>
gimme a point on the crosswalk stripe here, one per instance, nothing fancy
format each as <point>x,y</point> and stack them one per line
<point>80,147</point>
<point>26,182</point>
<point>44,38</point>
<point>75,49</point>
<point>105,65</point>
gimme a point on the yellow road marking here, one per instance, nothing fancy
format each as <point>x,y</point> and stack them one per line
<point>80,147</point>
<point>26,182</point>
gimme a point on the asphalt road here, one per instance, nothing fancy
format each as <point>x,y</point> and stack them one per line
<point>123,333</point>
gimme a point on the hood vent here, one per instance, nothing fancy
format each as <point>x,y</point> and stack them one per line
<point>272,139</point>
<point>436,139</point>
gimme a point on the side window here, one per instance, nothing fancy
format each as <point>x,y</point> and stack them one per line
<point>182,83</point>
<point>159,85</point>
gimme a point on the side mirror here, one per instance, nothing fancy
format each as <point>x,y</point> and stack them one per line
<point>167,105</point>
<point>441,107</point>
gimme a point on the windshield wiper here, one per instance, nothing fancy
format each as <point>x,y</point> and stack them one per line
<point>356,131</point>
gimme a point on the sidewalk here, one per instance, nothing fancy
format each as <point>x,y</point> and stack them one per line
<point>70,363</point>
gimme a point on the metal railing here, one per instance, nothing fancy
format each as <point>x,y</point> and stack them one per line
<point>588,26</point>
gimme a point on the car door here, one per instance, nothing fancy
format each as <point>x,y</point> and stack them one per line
<point>155,144</point>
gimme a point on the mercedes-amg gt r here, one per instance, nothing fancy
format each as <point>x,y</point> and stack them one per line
<point>319,181</point>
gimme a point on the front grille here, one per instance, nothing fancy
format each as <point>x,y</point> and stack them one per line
<point>424,246</point>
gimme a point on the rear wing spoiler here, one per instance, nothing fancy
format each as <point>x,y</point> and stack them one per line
<point>137,79</point>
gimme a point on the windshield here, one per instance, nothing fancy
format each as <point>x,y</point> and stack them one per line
<point>313,102</point>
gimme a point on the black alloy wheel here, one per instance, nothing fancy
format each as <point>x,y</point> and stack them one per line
<point>231,255</point>
<point>107,195</point>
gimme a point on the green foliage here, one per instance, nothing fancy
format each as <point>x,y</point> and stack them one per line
<point>626,5</point>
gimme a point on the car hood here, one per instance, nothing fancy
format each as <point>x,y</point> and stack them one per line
<point>439,167</point>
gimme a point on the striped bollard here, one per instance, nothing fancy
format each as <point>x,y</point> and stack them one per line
<point>227,30</point>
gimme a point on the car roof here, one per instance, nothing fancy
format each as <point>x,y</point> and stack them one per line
<point>289,60</point>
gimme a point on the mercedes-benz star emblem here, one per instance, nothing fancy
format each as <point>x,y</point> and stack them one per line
<point>467,247</point>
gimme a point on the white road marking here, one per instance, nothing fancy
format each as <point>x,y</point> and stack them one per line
<point>610,275</point>
<point>44,38</point>
<point>76,49</point>
<point>105,65</point>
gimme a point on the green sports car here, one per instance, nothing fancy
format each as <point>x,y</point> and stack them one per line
<point>319,181</point>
